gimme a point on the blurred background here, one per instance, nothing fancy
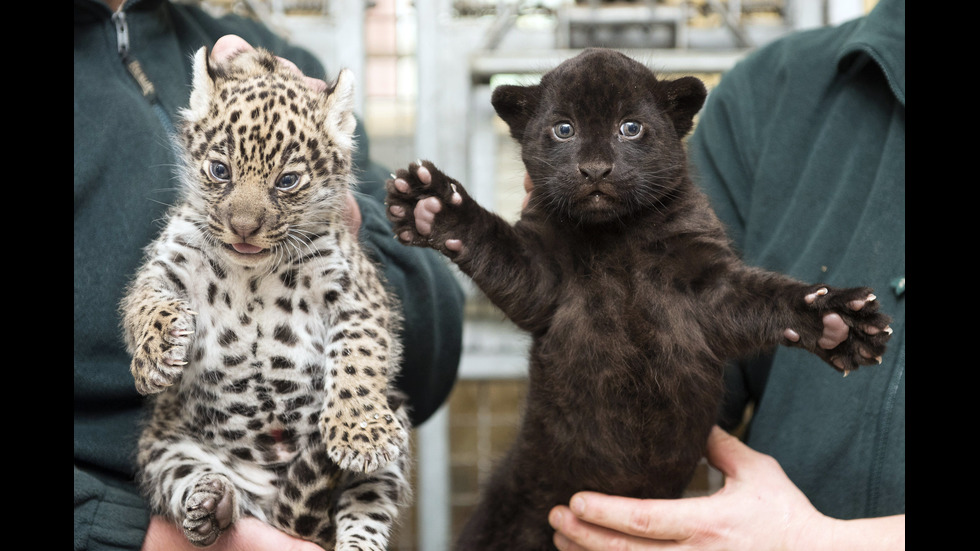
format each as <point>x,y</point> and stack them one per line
<point>426,69</point>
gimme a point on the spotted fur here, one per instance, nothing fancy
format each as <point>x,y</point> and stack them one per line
<point>262,329</point>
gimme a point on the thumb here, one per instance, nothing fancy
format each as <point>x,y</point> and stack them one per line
<point>726,452</point>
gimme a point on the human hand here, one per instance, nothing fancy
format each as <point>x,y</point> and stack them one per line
<point>247,534</point>
<point>229,45</point>
<point>528,188</point>
<point>758,508</point>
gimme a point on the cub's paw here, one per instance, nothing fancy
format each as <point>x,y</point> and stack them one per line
<point>845,327</point>
<point>161,348</point>
<point>364,441</point>
<point>424,207</point>
<point>210,508</point>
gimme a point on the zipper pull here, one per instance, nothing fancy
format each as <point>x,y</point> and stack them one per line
<point>135,70</point>
<point>122,33</point>
<point>133,66</point>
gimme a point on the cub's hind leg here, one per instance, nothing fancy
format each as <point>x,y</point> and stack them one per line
<point>210,508</point>
<point>183,485</point>
<point>369,503</point>
<point>368,507</point>
<point>196,488</point>
<point>338,508</point>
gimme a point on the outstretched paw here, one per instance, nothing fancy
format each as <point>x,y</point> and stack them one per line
<point>161,350</point>
<point>848,331</point>
<point>364,441</point>
<point>423,207</point>
<point>209,509</point>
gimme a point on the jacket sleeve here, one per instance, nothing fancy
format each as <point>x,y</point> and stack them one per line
<point>108,515</point>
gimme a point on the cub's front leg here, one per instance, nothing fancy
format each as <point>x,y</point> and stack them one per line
<point>159,330</point>
<point>429,209</point>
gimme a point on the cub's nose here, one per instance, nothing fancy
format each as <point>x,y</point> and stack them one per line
<point>245,226</point>
<point>595,170</point>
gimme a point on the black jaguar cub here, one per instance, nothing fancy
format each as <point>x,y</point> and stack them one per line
<point>625,279</point>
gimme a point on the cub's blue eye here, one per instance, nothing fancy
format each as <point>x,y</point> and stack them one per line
<point>630,129</point>
<point>563,130</point>
<point>287,181</point>
<point>219,171</point>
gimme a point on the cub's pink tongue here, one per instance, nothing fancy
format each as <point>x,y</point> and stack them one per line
<point>245,248</point>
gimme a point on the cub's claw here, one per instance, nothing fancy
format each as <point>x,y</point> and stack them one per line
<point>366,444</point>
<point>162,347</point>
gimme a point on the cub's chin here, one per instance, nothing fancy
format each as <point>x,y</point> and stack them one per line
<point>598,204</point>
<point>595,209</point>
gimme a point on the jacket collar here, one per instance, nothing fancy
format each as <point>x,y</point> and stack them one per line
<point>879,37</point>
<point>98,8</point>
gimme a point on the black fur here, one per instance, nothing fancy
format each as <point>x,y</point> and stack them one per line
<point>623,275</point>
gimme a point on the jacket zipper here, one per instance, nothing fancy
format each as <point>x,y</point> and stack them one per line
<point>135,70</point>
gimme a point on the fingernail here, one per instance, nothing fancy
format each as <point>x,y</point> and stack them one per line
<point>577,505</point>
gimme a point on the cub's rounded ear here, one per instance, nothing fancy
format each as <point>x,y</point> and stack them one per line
<point>515,105</point>
<point>202,85</point>
<point>339,108</point>
<point>682,99</point>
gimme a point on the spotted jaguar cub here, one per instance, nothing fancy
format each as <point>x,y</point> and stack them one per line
<point>262,328</point>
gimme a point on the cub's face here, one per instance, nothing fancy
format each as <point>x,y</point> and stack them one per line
<point>267,159</point>
<point>601,136</point>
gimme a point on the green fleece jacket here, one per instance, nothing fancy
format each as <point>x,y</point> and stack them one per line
<point>802,149</point>
<point>123,182</point>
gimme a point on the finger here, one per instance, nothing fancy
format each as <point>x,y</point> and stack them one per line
<point>352,213</point>
<point>227,46</point>
<point>653,519</point>
<point>726,452</point>
<point>314,84</point>
<point>574,534</point>
<point>528,187</point>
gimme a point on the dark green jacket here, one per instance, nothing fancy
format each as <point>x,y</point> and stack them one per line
<point>123,181</point>
<point>802,149</point>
